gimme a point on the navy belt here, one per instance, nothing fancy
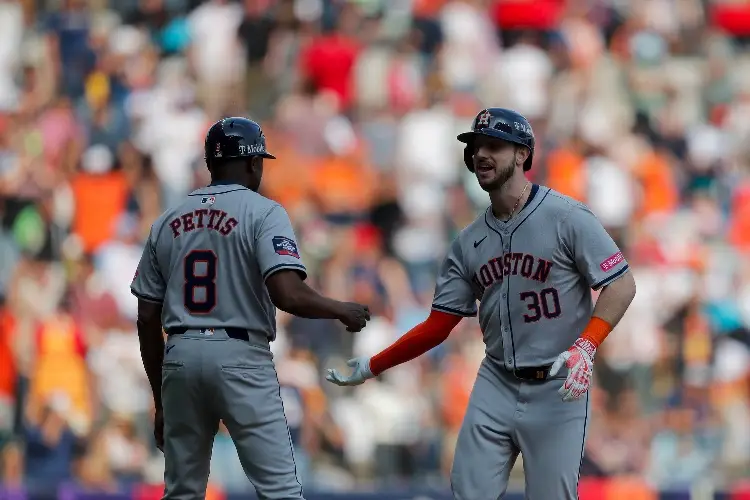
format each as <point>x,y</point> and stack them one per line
<point>532,373</point>
<point>232,333</point>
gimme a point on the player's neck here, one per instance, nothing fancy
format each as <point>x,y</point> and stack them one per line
<point>505,199</point>
<point>226,180</point>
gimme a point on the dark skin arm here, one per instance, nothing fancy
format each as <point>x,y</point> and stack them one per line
<point>152,353</point>
<point>290,294</point>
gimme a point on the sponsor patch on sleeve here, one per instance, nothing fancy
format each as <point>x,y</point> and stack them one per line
<point>285,246</point>
<point>612,261</point>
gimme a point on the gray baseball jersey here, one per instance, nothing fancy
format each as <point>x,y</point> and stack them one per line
<point>532,277</point>
<point>207,260</point>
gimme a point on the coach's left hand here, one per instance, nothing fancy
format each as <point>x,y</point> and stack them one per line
<point>579,360</point>
<point>361,372</point>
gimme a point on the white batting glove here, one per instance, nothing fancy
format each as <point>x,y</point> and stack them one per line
<point>580,362</point>
<point>361,372</point>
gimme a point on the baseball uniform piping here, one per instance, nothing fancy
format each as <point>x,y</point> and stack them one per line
<point>146,297</point>
<point>453,311</point>
<point>583,441</point>
<point>490,226</point>
<point>507,299</point>
<point>279,267</point>
<point>609,279</point>
<point>221,192</point>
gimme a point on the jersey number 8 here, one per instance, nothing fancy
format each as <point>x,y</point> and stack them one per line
<point>200,276</point>
<point>545,303</point>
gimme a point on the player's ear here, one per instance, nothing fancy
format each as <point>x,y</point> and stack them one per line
<point>522,153</point>
<point>256,165</point>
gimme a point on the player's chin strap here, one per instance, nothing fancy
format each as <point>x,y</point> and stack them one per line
<point>579,360</point>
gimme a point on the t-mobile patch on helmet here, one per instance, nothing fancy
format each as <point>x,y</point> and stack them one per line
<point>252,149</point>
<point>611,262</point>
<point>285,246</point>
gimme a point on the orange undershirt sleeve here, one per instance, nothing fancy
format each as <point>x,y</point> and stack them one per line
<point>417,341</point>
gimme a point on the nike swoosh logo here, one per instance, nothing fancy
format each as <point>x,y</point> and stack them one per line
<point>169,348</point>
<point>477,243</point>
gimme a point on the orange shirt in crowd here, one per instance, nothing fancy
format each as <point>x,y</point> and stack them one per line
<point>630,488</point>
<point>660,193</point>
<point>615,489</point>
<point>739,226</point>
<point>343,185</point>
<point>286,179</point>
<point>565,173</point>
<point>739,230</point>
<point>427,8</point>
<point>60,364</point>
<point>100,199</point>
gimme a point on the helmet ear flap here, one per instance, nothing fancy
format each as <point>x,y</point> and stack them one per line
<point>527,163</point>
<point>469,157</point>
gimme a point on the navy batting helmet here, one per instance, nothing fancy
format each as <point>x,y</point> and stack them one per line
<point>235,137</point>
<point>500,123</point>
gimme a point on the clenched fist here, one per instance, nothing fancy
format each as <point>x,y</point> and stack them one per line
<point>354,316</point>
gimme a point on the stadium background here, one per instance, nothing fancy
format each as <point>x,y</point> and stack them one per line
<point>641,109</point>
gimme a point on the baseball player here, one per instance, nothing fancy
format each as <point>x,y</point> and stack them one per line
<point>212,271</point>
<point>531,260</point>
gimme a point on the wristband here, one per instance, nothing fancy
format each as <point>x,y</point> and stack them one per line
<point>596,331</point>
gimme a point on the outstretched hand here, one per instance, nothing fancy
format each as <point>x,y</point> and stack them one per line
<point>361,372</point>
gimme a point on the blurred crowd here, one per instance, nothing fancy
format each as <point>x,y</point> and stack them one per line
<point>641,109</point>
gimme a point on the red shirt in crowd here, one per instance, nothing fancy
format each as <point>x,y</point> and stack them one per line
<point>328,62</point>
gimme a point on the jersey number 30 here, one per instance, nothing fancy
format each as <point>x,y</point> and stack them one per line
<point>545,303</point>
<point>200,281</point>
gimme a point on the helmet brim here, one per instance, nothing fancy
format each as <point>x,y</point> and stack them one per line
<point>468,137</point>
<point>232,157</point>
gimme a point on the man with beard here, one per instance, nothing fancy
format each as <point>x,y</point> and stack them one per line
<point>530,260</point>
